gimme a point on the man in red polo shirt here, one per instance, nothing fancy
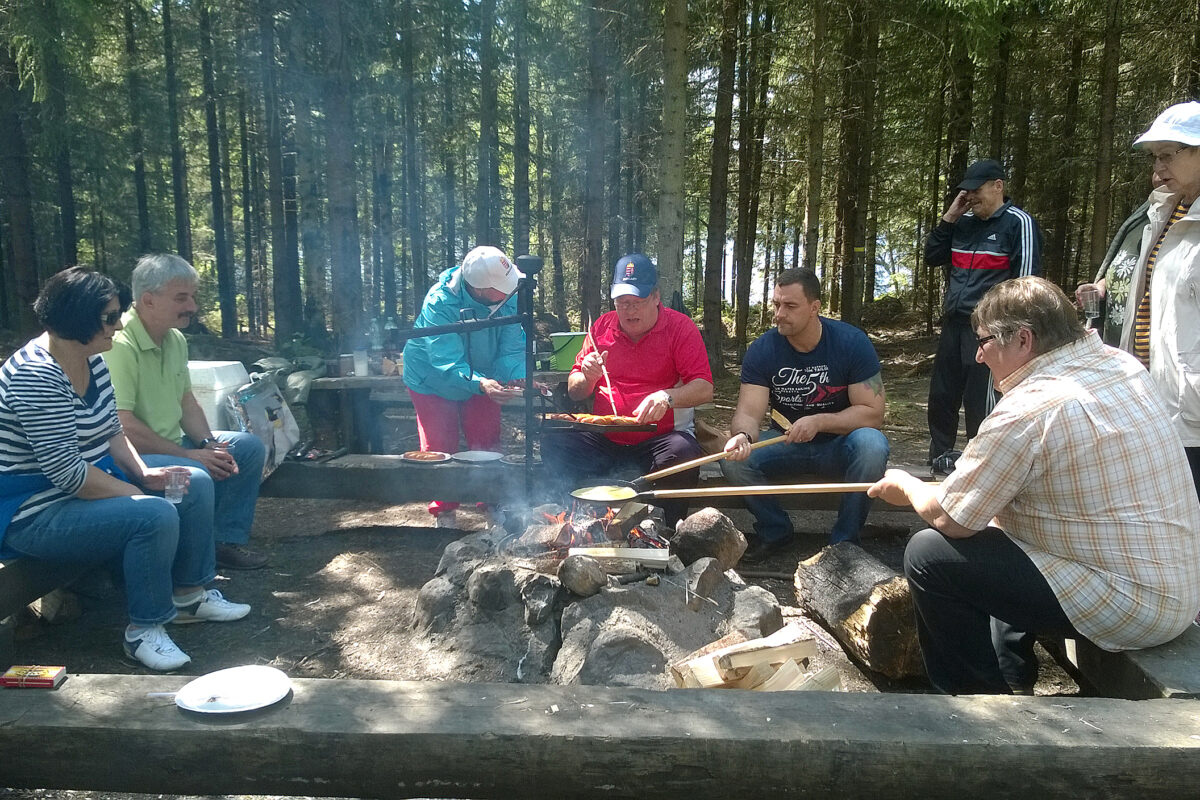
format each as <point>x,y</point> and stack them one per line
<point>659,372</point>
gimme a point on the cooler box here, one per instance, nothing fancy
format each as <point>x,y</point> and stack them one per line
<point>564,347</point>
<point>212,383</point>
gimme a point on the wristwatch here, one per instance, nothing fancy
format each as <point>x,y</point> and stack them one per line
<point>205,442</point>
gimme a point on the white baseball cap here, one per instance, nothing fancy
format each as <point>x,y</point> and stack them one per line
<point>488,268</point>
<point>1179,123</point>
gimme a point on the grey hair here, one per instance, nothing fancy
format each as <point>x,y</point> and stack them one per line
<point>1032,303</point>
<point>155,271</point>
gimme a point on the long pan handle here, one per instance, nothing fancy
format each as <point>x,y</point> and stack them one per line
<point>746,491</point>
<point>696,462</point>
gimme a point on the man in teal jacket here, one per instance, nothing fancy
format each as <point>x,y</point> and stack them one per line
<point>457,379</point>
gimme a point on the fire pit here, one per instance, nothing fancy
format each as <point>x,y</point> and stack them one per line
<point>497,609</point>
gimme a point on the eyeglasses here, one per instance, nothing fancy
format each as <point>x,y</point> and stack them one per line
<point>111,318</point>
<point>984,339</point>
<point>1166,158</point>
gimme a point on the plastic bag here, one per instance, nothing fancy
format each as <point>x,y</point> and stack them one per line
<point>259,408</point>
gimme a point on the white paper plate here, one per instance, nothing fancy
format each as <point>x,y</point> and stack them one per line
<point>227,691</point>
<point>477,456</point>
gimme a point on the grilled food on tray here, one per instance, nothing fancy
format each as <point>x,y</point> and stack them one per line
<point>592,419</point>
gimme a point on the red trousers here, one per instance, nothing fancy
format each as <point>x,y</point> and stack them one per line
<point>438,423</point>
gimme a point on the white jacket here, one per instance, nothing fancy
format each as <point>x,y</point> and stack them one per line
<point>1174,312</point>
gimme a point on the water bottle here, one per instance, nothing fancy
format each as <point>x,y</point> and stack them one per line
<point>360,358</point>
<point>376,335</point>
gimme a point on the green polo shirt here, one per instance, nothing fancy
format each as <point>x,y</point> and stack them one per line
<point>150,380</point>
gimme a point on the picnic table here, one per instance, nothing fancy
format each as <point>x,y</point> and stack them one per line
<point>357,402</point>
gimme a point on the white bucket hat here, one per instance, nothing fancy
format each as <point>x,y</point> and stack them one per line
<point>488,268</point>
<point>1179,123</point>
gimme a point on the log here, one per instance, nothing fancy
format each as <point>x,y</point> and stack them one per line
<point>866,605</point>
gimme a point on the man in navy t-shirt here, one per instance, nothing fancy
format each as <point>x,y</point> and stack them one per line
<point>823,376</point>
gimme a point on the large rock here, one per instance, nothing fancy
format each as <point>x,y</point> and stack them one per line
<point>708,534</point>
<point>582,575</point>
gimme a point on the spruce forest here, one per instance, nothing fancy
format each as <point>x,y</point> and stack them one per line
<point>322,161</point>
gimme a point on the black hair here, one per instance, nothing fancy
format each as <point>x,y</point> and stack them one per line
<point>804,276</point>
<point>72,301</point>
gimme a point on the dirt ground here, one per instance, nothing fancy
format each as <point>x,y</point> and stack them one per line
<point>338,598</point>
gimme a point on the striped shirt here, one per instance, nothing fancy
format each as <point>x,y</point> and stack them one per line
<point>1141,320</point>
<point>46,428</point>
<point>1082,469</point>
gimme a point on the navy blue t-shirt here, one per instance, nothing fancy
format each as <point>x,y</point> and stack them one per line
<point>819,382</point>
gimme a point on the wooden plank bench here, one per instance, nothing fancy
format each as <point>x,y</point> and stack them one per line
<point>377,738</point>
<point>388,478</point>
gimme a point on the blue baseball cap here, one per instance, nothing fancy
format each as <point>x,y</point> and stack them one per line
<point>634,275</point>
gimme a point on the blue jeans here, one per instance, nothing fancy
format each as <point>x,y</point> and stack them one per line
<point>857,457</point>
<point>233,498</point>
<point>160,545</point>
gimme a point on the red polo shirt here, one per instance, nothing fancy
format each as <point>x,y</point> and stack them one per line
<point>669,355</point>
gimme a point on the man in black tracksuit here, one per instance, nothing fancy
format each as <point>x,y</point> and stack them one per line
<point>982,239</point>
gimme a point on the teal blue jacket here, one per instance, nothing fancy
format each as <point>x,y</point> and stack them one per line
<point>451,365</point>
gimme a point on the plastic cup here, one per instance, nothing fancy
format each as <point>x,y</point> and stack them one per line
<point>1089,300</point>
<point>177,481</point>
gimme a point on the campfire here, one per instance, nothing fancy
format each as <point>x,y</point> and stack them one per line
<point>587,525</point>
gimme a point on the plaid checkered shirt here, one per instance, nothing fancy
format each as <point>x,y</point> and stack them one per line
<point>1080,466</point>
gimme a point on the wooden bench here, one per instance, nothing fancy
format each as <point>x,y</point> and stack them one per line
<point>388,478</point>
<point>378,738</point>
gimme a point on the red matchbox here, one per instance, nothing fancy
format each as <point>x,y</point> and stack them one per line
<point>33,677</point>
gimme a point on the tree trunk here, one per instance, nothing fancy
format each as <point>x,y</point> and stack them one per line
<point>183,223</point>
<point>866,605</point>
<point>619,159</point>
<point>247,216</point>
<point>719,187</point>
<point>487,195</point>
<point>999,109</point>
<point>1109,77</point>
<point>18,197</point>
<point>556,226</point>
<point>414,184</point>
<point>57,133</point>
<point>860,47</point>
<point>520,130</point>
<point>341,177</point>
<point>309,188</point>
<point>133,84</point>
<point>285,283</point>
<point>962,84</point>
<point>591,270</point>
<point>384,222</point>
<point>816,135</point>
<point>743,236</point>
<point>1062,188</point>
<point>226,290</point>
<point>675,145</point>
<point>449,206</point>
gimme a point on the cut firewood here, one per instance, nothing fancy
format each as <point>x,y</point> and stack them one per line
<point>789,673</point>
<point>642,556</point>
<point>742,664</point>
<point>795,651</point>
<point>790,677</point>
<point>683,673</point>
<point>866,605</point>
<point>825,680</point>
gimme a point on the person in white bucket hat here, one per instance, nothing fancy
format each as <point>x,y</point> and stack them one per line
<point>1164,317</point>
<point>457,380</point>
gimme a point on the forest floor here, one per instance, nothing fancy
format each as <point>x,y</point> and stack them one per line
<point>337,600</point>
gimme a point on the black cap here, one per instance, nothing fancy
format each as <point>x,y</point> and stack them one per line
<point>635,275</point>
<point>980,173</point>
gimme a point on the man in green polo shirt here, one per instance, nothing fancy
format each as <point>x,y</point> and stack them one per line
<point>149,367</point>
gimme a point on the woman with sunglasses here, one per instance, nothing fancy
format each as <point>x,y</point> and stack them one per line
<point>72,487</point>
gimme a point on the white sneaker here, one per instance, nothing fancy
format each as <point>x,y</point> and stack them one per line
<point>446,519</point>
<point>155,649</point>
<point>211,607</point>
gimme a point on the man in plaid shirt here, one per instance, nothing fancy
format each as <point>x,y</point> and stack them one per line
<point>1072,512</point>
